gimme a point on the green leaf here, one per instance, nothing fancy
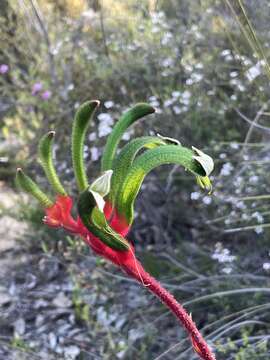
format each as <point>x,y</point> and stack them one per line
<point>142,165</point>
<point>80,125</point>
<point>124,160</point>
<point>94,220</point>
<point>127,119</point>
<point>46,160</point>
<point>29,186</point>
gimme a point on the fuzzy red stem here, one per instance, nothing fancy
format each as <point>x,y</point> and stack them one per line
<point>199,344</point>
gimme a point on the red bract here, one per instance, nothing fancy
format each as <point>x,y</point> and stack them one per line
<point>59,215</point>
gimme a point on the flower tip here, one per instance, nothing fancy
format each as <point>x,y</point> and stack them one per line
<point>97,102</point>
<point>19,172</point>
<point>51,133</point>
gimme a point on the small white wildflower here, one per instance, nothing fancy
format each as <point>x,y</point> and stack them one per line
<point>105,118</point>
<point>92,136</point>
<point>154,103</point>
<point>240,205</point>
<point>158,110</point>
<point>254,179</point>
<point>166,38</point>
<point>228,58</point>
<point>199,66</point>
<point>207,200</point>
<point>222,255</point>
<point>244,217</point>
<point>85,151</point>
<point>234,145</point>
<point>176,94</point>
<point>238,181</point>
<point>186,94</point>
<point>104,130</point>
<point>257,216</point>
<point>227,270</point>
<point>266,266</point>
<point>225,52</point>
<point>177,109</point>
<point>185,97</point>
<point>189,81</point>
<point>95,153</point>
<point>109,104</point>
<point>226,169</point>
<point>196,77</point>
<point>222,156</point>
<point>258,230</point>
<point>126,136</point>
<point>70,87</point>
<point>188,67</point>
<point>168,102</point>
<point>168,62</point>
<point>253,72</point>
<point>195,195</point>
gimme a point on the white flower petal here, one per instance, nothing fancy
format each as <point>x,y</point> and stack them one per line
<point>99,200</point>
<point>204,160</point>
<point>102,185</point>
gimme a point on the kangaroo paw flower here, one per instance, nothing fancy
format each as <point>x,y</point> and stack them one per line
<point>105,207</point>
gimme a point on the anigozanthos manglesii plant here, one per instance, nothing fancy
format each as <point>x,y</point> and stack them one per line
<point>105,206</point>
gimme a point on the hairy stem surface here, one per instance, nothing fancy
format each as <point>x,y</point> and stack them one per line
<point>198,342</point>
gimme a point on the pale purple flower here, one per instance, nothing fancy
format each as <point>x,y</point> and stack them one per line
<point>4,68</point>
<point>37,87</point>
<point>46,94</point>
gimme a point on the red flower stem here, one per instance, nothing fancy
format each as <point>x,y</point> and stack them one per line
<point>198,342</point>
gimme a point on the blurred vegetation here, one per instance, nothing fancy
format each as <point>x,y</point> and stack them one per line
<point>205,70</point>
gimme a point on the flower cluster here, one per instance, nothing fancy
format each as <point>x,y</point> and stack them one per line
<point>106,205</point>
<point>37,89</point>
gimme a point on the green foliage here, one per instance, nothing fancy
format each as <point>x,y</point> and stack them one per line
<point>143,165</point>
<point>126,120</point>
<point>45,156</point>
<point>81,123</point>
<point>29,186</point>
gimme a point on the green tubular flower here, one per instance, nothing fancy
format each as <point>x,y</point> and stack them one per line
<point>46,160</point>
<point>124,160</point>
<point>29,186</point>
<point>127,119</point>
<point>80,125</point>
<point>168,154</point>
